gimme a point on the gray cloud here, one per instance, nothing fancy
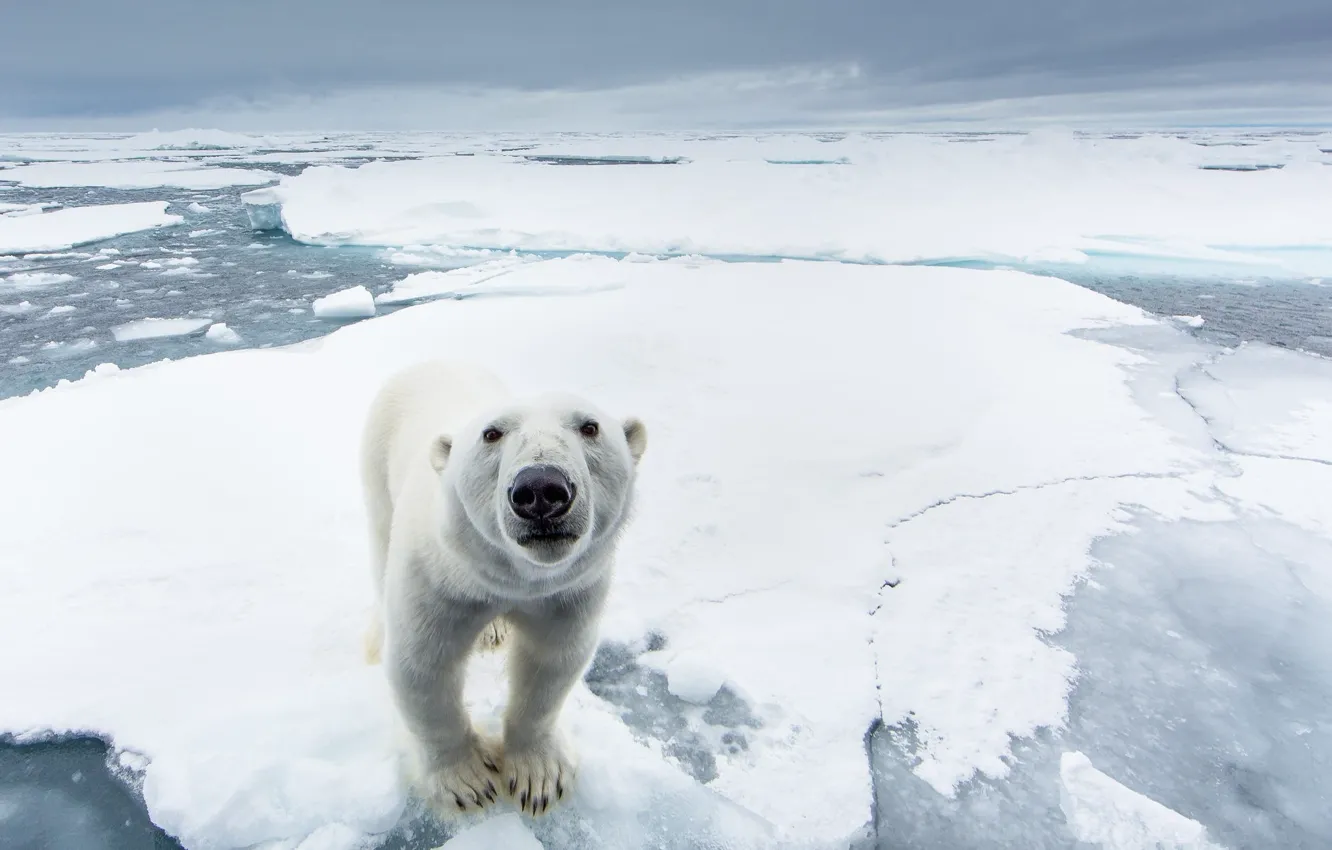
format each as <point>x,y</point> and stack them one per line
<point>91,59</point>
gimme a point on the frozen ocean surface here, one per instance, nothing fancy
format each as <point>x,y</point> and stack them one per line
<point>1069,590</point>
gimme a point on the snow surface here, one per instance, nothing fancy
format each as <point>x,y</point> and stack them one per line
<point>153,328</point>
<point>66,228</point>
<point>1105,813</point>
<point>233,602</point>
<point>353,303</point>
<point>1019,202</point>
<point>135,174</point>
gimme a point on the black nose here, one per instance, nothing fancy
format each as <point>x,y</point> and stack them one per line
<point>541,492</point>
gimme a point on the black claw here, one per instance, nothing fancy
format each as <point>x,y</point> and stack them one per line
<point>462,807</point>
<point>559,790</point>
<point>522,800</point>
<point>545,802</point>
<point>490,766</point>
<point>513,786</point>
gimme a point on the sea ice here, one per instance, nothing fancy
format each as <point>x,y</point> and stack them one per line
<point>353,303</point>
<point>986,203</point>
<point>152,328</point>
<point>61,308</point>
<point>222,335</point>
<point>911,573</point>
<point>135,174</point>
<point>1266,401</point>
<point>1103,812</point>
<point>65,228</point>
<point>581,274</point>
<point>507,831</point>
<point>36,280</point>
<point>17,309</point>
<point>196,207</point>
<point>192,140</point>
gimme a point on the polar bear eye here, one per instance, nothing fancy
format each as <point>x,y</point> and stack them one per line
<point>492,435</point>
<point>590,429</point>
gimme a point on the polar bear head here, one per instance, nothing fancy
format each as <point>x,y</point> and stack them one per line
<point>544,480</point>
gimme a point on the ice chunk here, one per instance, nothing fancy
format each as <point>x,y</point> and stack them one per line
<point>106,267</point>
<point>507,831</point>
<point>62,349</point>
<point>135,174</point>
<point>222,335</point>
<point>196,207</point>
<point>152,328</point>
<point>1189,321</point>
<point>353,303</point>
<point>61,308</point>
<point>1103,812</point>
<point>36,280</point>
<point>264,208</point>
<point>55,231</point>
<point>17,309</point>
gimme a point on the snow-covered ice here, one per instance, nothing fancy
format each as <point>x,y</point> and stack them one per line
<point>1021,201</point>
<point>154,328</point>
<point>246,694</point>
<point>66,228</point>
<point>353,303</point>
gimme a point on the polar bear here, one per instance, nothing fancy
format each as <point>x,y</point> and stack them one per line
<point>492,519</point>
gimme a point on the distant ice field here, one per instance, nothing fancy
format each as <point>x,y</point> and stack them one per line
<point>1048,568</point>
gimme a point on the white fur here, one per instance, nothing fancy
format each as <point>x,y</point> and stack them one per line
<point>456,568</point>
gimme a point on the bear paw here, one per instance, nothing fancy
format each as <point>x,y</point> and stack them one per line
<point>492,637</point>
<point>468,785</point>
<point>539,776</point>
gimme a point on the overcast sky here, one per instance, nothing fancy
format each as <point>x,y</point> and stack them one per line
<point>434,64</point>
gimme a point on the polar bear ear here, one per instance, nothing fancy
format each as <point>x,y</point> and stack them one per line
<point>635,434</point>
<point>439,451</point>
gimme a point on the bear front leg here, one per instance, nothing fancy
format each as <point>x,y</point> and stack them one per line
<point>551,646</point>
<point>455,769</point>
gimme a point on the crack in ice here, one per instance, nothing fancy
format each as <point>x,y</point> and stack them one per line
<point>1217,443</point>
<point>1022,488</point>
